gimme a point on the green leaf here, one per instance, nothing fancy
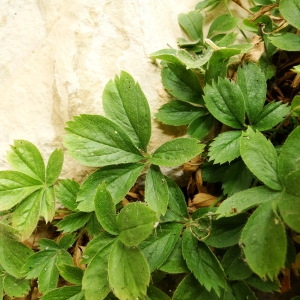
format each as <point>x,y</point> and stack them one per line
<point>154,293</point>
<point>201,126</point>
<point>223,23</point>
<point>128,272</point>
<point>252,83</point>
<point>206,3</point>
<point>14,287</point>
<point>96,141</point>
<point>156,190</point>
<point>289,157</point>
<point>192,24</point>
<point>286,41</point>
<point>244,200</point>
<point>271,115</point>
<point>105,210</point>
<point>15,187</point>
<point>179,113</point>
<point>263,284</point>
<point>65,292</point>
<point>260,156</point>
<point>158,246</point>
<point>242,291</point>
<point>289,208</point>
<point>70,273</point>
<point>73,222</point>
<point>295,105</point>
<point>54,166</point>
<point>290,10</point>
<point>125,103</point>
<point>118,179</point>
<point>264,241</point>
<point>13,253</point>
<point>225,101</point>
<point>292,182</point>
<point>135,223</point>
<point>203,263</point>
<point>176,152</point>
<point>225,147</point>
<point>190,288</point>
<point>47,202</point>
<point>26,158</point>
<point>66,191</point>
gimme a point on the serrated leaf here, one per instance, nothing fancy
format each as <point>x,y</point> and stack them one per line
<point>286,41</point>
<point>289,157</point>
<point>156,190</point>
<point>176,152</point>
<point>252,83</point>
<point>203,263</point>
<point>66,191</point>
<point>96,141</point>
<point>14,187</point>
<point>271,115</point>
<point>244,200</point>
<point>105,210</point>
<point>135,223</point>
<point>192,24</point>
<point>289,208</point>
<point>264,241</point>
<point>15,287</point>
<point>26,158</point>
<point>54,166</point>
<point>263,284</point>
<point>225,147</point>
<point>125,103</point>
<point>201,126</point>
<point>118,179</point>
<point>65,292</point>
<point>73,222</point>
<point>260,156</point>
<point>128,272</point>
<point>158,246</point>
<point>226,103</point>
<point>290,10</point>
<point>223,23</point>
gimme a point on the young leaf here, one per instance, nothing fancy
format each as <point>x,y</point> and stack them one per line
<point>26,158</point>
<point>66,292</point>
<point>286,41</point>
<point>271,115</point>
<point>264,241</point>
<point>290,10</point>
<point>158,246</point>
<point>96,141</point>
<point>125,103</point>
<point>192,23</point>
<point>289,157</point>
<point>128,272</point>
<point>122,176</point>
<point>203,263</point>
<point>179,113</point>
<point>54,166</point>
<point>156,190</point>
<point>223,23</point>
<point>176,152</point>
<point>182,83</point>
<point>66,191</point>
<point>260,157</point>
<point>252,83</point>
<point>244,200</point>
<point>135,223</point>
<point>225,101</point>
<point>105,210</point>
<point>225,147</point>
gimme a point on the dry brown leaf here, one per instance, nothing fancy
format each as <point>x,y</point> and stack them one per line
<point>199,182</point>
<point>255,53</point>
<point>285,281</point>
<point>201,200</point>
<point>192,165</point>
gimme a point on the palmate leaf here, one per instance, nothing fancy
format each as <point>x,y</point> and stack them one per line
<point>96,141</point>
<point>125,103</point>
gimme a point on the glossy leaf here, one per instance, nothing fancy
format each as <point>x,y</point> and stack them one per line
<point>135,223</point>
<point>128,272</point>
<point>66,191</point>
<point>290,10</point>
<point>96,141</point>
<point>264,241</point>
<point>203,263</point>
<point>225,101</point>
<point>287,41</point>
<point>118,179</point>
<point>260,156</point>
<point>105,210</point>
<point>176,152</point>
<point>54,166</point>
<point>223,23</point>
<point>125,103</point>
<point>192,23</point>
<point>225,147</point>
<point>156,190</point>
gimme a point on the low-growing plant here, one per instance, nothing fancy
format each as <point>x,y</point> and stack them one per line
<point>128,231</point>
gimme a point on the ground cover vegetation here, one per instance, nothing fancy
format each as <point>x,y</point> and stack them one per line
<point>131,232</point>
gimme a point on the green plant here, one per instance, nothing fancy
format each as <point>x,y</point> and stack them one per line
<point>249,166</point>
